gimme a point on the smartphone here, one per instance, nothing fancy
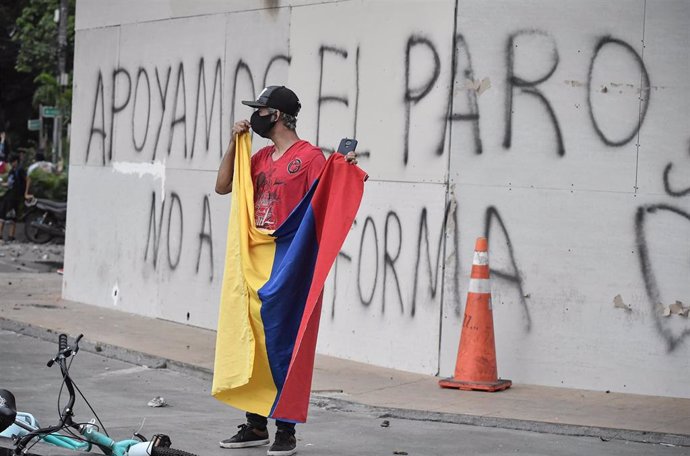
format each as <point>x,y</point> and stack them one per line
<point>347,145</point>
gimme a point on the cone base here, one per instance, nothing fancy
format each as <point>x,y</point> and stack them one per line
<point>498,385</point>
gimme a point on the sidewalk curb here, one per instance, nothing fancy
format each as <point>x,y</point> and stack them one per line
<point>109,351</point>
<point>605,434</point>
<point>326,400</point>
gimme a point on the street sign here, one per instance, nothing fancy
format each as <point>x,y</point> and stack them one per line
<point>34,124</point>
<point>50,111</point>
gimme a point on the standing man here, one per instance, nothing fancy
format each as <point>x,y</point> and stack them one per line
<point>282,174</point>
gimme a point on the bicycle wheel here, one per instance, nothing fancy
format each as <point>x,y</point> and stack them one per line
<point>9,449</point>
<point>167,451</point>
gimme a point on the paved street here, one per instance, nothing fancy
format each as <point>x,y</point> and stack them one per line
<point>119,392</point>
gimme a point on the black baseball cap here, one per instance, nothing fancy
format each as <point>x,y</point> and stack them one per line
<point>277,97</point>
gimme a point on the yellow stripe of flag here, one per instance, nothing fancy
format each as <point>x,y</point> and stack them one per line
<point>242,376</point>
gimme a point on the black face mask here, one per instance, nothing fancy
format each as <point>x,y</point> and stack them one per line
<point>262,125</point>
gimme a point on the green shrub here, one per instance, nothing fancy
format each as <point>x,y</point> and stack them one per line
<point>48,185</point>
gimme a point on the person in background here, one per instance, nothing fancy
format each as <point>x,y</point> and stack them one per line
<point>4,152</point>
<point>41,164</point>
<point>4,146</point>
<point>17,190</point>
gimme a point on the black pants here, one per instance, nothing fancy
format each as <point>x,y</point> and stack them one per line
<point>260,422</point>
<point>9,206</point>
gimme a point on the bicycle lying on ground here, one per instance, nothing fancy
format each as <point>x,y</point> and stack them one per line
<point>68,433</point>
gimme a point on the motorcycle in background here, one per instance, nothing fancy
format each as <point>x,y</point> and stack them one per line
<point>44,220</point>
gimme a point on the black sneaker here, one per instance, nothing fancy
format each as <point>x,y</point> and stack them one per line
<point>285,444</point>
<point>246,437</point>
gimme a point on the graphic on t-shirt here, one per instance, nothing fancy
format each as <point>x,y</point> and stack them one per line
<point>264,201</point>
<point>294,166</point>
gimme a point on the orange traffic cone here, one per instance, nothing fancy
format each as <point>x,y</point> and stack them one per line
<point>476,363</point>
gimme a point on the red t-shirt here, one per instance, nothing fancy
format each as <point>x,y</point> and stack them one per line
<point>280,184</point>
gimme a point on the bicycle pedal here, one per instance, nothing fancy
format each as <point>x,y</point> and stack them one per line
<point>161,440</point>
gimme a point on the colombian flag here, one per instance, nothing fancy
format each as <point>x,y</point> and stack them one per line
<point>272,289</point>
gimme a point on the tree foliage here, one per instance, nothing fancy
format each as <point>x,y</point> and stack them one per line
<point>48,92</point>
<point>16,88</point>
<point>37,36</point>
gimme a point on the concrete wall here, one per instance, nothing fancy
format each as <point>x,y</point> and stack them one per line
<point>559,132</point>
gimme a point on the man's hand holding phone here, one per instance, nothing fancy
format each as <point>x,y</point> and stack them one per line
<point>347,147</point>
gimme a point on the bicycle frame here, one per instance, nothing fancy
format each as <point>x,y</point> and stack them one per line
<point>91,435</point>
<point>105,443</point>
<point>23,427</point>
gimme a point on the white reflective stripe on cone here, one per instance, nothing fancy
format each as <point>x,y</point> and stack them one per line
<point>480,286</point>
<point>481,258</point>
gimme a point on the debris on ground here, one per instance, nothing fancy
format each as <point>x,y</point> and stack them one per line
<point>157,401</point>
<point>42,258</point>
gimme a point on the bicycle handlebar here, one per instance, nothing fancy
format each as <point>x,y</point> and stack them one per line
<point>64,352</point>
